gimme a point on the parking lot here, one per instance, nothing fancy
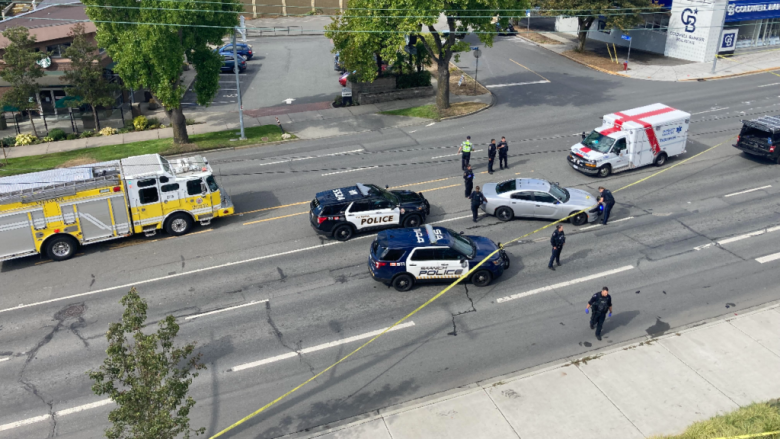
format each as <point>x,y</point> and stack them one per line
<point>295,67</point>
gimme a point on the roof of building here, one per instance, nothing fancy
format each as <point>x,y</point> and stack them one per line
<point>49,22</point>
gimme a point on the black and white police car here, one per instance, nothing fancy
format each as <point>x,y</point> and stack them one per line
<point>343,212</point>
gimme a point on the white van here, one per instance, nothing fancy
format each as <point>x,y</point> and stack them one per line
<point>631,139</point>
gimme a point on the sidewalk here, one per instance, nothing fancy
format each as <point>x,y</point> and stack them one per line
<point>653,387</point>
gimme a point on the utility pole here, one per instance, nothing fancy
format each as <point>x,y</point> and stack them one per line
<point>720,36</point>
<point>238,87</point>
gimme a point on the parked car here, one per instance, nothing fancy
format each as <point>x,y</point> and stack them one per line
<point>458,35</point>
<point>337,64</point>
<point>506,30</point>
<point>242,49</point>
<point>227,63</point>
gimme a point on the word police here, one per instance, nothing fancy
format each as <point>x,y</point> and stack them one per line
<point>379,220</point>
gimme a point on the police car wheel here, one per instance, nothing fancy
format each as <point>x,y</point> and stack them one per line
<point>504,213</point>
<point>403,282</point>
<point>343,233</point>
<point>481,278</point>
<point>604,171</point>
<point>506,263</point>
<point>61,247</point>
<point>660,160</point>
<point>580,219</point>
<point>412,221</point>
<point>178,224</point>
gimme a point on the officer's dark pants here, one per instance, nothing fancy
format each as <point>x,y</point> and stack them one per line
<point>556,256</point>
<point>597,320</point>
<point>491,160</point>
<point>502,163</point>
<point>475,211</point>
<point>464,161</point>
<point>469,187</point>
<point>607,209</point>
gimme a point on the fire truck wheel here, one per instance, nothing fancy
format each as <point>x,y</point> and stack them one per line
<point>178,224</point>
<point>481,278</point>
<point>403,282</point>
<point>61,247</point>
<point>343,233</point>
<point>660,160</point>
<point>604,171</point>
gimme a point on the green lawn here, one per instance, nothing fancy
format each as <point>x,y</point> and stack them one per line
<point>750,420</point>
<point>425,111</point>
<point>200,142</point>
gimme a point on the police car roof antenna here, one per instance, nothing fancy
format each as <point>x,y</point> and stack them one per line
<point>720,37</point>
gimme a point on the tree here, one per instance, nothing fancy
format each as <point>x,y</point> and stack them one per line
<point>85,75</point>
<point>621,14</point>
<point>21,70</point>
<point>147,378</point>
<point>392,20</point>
<point>149,39</point>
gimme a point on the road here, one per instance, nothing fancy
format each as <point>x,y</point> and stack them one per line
<point>680,248</point>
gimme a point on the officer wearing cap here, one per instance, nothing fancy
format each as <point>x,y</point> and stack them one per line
<point>601,305</point>
<point>491,155</point>
<point>465,147</point>
<point>503,149</point>
<point>468,178</point>
<point>477,199</point>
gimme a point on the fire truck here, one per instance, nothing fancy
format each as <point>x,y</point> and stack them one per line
<point>55,212</point>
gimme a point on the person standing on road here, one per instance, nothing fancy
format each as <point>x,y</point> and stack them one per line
<point>557,241</point>
<point>465,147</point>
<point>468,178</point>
<point>477,199</point>
<point>503,149</point>
<point>491,155</point>
<point>601,305</point>
<point>606,200</point>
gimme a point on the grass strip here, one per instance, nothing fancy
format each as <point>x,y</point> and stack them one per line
<point>424,111</point>
<point>754,419</point>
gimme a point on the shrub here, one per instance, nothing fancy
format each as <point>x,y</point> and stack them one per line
<point>72,136</point>
<point>191,122</point>
<point>108,131</point>
<point>47,139</point>
<point>418,79</point>
<point>140,123</point>
<point>153,121</point>
<point>87,134</point>
<point>57,134</point>
<point>8,141</point>
<point>25,139</point>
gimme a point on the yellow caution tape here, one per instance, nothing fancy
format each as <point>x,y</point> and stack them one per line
<point>748,436</point>
<point>434,298</point>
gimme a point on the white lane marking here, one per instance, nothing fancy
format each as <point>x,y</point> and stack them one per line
<point>516,83</point>
<point>171,276</point>
<point>709,111</point>
<point>451,219</point>
<point>769,85</point>
<point>450,155</point>
<point>768,258</point>
<point>623,219</point>
<point>599,225</point>
<point>310,157</point>
<point>702,247</point>
<point>410,132</point>
<point>588,228</point>
<point>60,413</point>
<point>749,190</point>
<point>738,238</point>
<point>316,348</point>
<point>4,359</point>
<point>350,170</point>
<point>254,302</point>
<point>564,284</point>
<point>431,124</point>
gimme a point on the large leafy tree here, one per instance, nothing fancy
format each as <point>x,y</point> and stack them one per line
<point>149,39</point>
<point>85,75</point>
<point>148,378</point>
<point>389,21</point>
<point>21,70</point>
<point>621,14</point>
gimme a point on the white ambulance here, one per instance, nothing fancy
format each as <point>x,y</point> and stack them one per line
<point>631,139</point>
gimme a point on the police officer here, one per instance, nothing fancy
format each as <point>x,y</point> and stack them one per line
<point>557,241</point>
<point>477,199</point>
<point>600,304</point>
<point>468,178</point>
<point>465,147</point>
<point>607,200</point>
<point>503,149</point>
<point>491,155</point>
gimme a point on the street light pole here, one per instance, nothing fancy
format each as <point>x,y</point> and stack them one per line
<point>238,87</point>
<point>720,37</point>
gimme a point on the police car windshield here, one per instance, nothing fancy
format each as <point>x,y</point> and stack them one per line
<point>462,244</point>
<point>559,192</point>
<point>376,190</point>
<point>599,142</point>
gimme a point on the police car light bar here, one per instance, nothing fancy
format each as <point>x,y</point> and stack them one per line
<point>431,236</point>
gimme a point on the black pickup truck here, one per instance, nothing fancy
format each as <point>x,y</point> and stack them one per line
<point>761,137</point>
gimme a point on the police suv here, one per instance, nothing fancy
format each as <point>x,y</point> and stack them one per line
<point>343,212</point>
<point>405,256</point>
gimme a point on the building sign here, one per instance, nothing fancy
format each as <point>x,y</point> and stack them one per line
<point>741,10</point>
<point>690,30</point>
<point>729,40</point>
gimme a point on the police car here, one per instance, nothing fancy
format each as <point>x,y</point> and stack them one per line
<point>343,212</point>
<point>405,256</point>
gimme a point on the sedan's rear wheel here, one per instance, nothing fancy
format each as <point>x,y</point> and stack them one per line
<point>504,213</point>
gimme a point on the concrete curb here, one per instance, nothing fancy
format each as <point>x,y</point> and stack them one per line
<point>525,373</point>
<point>734,75</point>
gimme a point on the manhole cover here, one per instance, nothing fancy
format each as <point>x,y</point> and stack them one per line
<point>70,311</point>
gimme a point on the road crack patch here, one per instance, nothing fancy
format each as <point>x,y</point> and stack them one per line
<point>473,309</point>
<point>279,336</point>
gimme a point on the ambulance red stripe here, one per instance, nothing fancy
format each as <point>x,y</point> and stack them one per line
<point>638,119</point>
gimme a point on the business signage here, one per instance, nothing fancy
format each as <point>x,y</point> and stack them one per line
<point>728,41</point>
<point>741,10</point>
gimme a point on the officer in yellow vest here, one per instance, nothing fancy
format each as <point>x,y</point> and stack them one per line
<point>465,147</point>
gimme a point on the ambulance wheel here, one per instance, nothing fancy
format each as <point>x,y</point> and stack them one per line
<point>343,232</point>
<point>178,224</point>
<point>481,278</point>
<point>504,213</point>
<point>580,219</point>
<point>61,247</point>
<point>412,221</point>
<point>403,282</point>
<point>604,171</point>
<point>660,160</point>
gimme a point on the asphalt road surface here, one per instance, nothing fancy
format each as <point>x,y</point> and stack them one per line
<point>681,247</point>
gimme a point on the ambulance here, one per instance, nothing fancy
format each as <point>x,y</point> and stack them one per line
<point>55,212</point>
<point>632,139</point>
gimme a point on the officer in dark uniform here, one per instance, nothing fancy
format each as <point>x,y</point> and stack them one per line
<point>601,305</point>
<point>503,149</point>
<point>477,199</point>
<point>468,178</point>
<point>608,201</point>
<point>557,241</point>
<point>465,147</point>
<point>491,155</point>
